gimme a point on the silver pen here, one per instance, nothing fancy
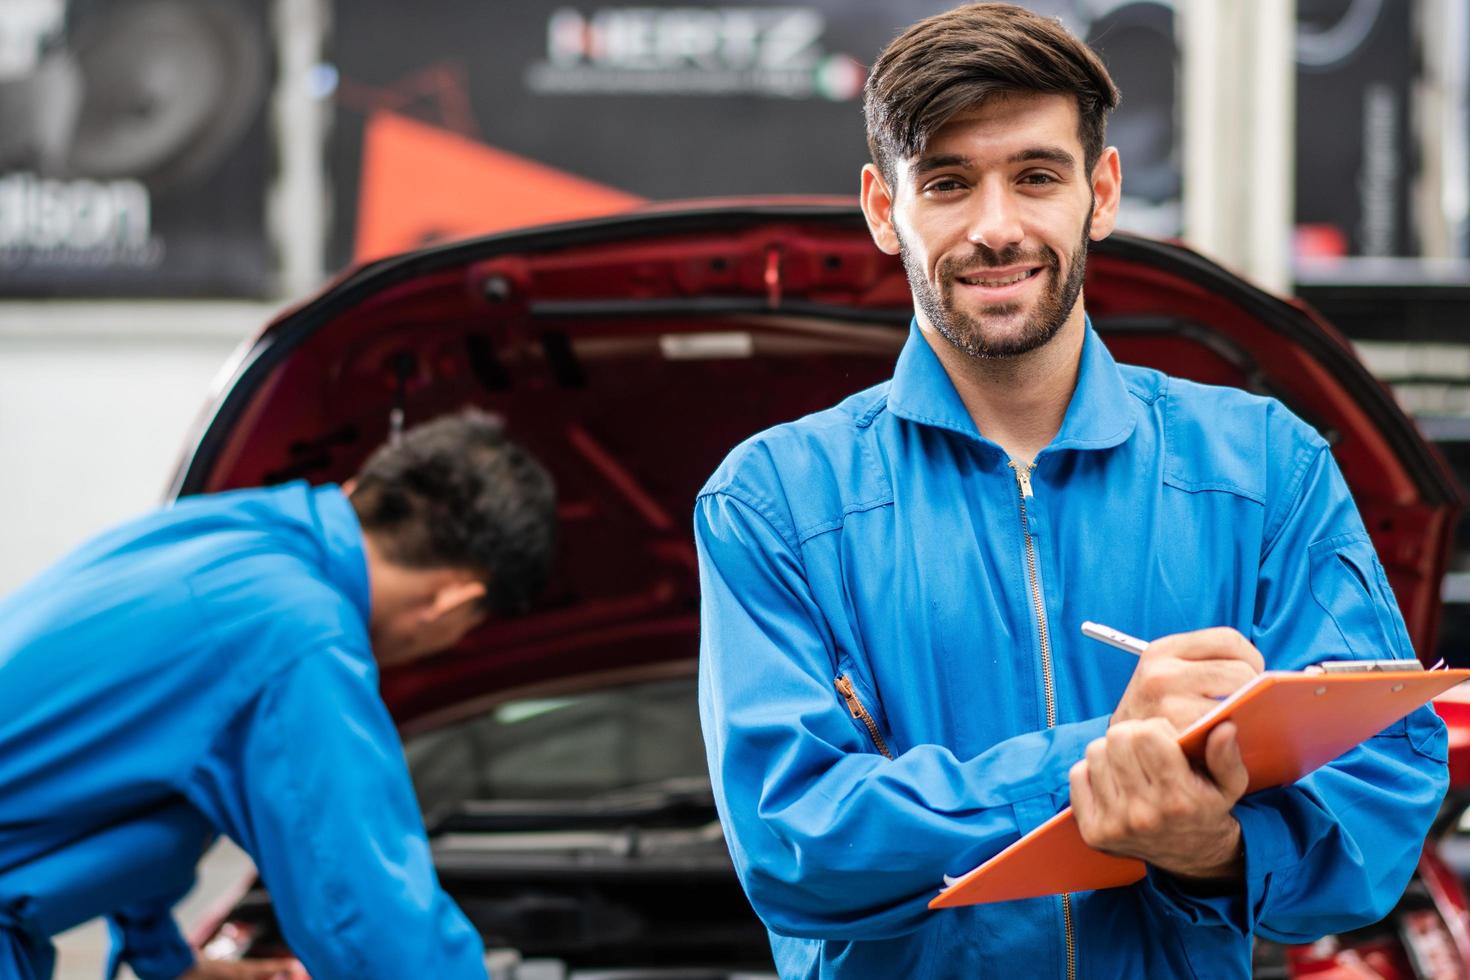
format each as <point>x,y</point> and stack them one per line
<point>1132,644</point>
<point>1114,638</point>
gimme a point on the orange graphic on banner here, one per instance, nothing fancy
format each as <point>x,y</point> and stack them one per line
<point>421,184</point>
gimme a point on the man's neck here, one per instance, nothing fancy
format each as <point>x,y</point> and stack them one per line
<point>1018,403</point>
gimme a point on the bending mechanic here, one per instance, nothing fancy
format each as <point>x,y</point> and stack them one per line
<point>213,668</point>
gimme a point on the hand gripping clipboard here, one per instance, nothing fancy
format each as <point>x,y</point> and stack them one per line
<point>1288,723</point>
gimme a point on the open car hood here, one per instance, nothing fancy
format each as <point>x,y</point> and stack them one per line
<point>631,353</point>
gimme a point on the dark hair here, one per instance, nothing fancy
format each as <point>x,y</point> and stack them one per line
<point>959,59</point>
<point>456,493</point>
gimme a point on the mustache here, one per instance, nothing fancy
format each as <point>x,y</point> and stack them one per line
<point>988,258</point>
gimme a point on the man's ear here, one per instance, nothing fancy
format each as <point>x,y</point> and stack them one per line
<point>349,485</point>
<point>877,201</point>
<point>1107,190</point>
<point>453,596</point>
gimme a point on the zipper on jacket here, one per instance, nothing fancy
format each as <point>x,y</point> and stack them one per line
<point>849,694</point>
<point>1048,682</point>
<point>1049,691</point>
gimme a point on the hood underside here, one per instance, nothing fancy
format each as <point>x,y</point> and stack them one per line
<point>630,354</point>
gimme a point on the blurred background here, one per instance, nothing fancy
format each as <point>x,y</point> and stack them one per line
<point>174,172</point>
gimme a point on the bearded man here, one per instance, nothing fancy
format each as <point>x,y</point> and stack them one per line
<point>892,682</point>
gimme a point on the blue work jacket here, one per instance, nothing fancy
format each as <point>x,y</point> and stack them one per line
<point>206,669</point>
<point>893,685</point>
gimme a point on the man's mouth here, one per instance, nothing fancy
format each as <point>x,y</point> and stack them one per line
<point>1000,277</point>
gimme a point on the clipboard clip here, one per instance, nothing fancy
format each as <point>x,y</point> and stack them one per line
<point>1367,666</point>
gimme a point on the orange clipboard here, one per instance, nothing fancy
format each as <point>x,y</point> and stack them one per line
<point>1288,723</point>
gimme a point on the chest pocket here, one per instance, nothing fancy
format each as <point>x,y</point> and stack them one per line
<point>1349,584</point>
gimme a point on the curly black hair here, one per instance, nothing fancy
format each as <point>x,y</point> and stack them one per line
<point>455,492</point>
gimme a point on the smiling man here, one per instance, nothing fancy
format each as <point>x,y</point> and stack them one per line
<point>892,683</point>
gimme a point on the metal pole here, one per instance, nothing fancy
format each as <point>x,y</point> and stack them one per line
<point>1239,99</point>
<point>297,208</point>
<point>1442,117</point>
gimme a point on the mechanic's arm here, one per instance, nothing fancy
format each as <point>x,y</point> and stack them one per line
<point>133,873</point>
<point>831,839</point>
<point>145,937</point>
<point>1334,850</point>
<point>336,830</point>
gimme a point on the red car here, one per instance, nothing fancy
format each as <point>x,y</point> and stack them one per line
<point>558,755</point>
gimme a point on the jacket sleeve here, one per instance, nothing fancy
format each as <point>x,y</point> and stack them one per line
<point>146,937</point>
<point>1334,850</point>
<point>330,818</point>
<point>132,873</point>
<point>832,840</point>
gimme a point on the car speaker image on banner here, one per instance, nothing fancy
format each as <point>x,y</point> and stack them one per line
<point>1356,66</point>
<point>458,119</point>
<point>1135,38</point>
<point>134,148</point>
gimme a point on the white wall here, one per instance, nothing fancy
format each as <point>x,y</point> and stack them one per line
<point>96,401</point>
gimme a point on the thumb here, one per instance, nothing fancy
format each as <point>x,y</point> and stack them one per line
<point>1223,760</point>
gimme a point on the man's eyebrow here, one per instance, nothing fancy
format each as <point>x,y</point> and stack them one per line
<point>939,162</point>
<point>1032,154</point>
<point>1043,154</point>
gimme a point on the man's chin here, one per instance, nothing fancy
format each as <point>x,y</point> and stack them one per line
<point>1011,337</point>
<point>998,321</point>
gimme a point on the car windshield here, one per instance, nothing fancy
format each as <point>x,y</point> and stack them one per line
<point>577,745</point>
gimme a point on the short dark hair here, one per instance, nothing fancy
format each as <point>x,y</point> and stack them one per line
<point>959,59</point>
<point>456,493</point>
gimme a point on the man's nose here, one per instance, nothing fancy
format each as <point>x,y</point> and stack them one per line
<point>996,221</point>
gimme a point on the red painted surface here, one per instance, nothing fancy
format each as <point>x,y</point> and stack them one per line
<point>633,436</point>
<point>1456,715</point>
<point>1448,895</point>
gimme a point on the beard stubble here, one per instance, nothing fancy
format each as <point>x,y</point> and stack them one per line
<point>968,334</point>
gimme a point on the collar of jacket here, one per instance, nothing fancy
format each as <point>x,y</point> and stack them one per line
<point>342,546</point>
<point>1102,413</point>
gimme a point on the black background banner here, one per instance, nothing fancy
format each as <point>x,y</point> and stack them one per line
<point>1356,65</point>
<point>136,146</point>
<point>663,100</point>
<point>135,150</point>
<point>671,105</point>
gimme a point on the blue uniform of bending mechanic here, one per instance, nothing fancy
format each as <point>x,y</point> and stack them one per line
<point>893,686</point>
<point>204,670</point>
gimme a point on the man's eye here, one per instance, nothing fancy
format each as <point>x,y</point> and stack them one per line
<point>945,186</point>
<point>1038,179</point>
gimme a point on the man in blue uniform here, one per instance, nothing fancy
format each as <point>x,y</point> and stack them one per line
<point>892,683</point>
<point>212,668</point>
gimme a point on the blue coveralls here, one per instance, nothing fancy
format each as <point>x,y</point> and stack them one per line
<point>887,545</point>
<point>206,669</point>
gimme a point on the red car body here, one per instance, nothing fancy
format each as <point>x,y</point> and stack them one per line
<point>631,353</point>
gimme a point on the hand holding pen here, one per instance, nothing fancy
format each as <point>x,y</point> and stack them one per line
<point>1135,793</point>
<point>1181,677</point>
